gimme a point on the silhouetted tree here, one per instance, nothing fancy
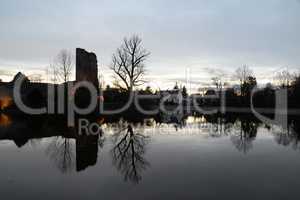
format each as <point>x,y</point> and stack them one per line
<point>295,96</point>
<point>242,74</point>
<point>107,87</point>
<point>148,90</point>
<point>284,78</point>
<point>217,82</point>
<point>63,65</point>
<point>52,73</point>
<point>128,64</point>
<point>35,78</point>
<point>184,92</point>
<point>101,80</point>
<point>176,86</point>
<point>265,98</point>
<point>248,85</point>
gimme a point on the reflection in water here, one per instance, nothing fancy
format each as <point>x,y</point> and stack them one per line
<point>283,137</point>
<point>128,154</point>
<point>178,119</point>
<point>290,136</point>
<point>220,127</point>
<point>5,120</point>
<point>247,134</point>
<point>72,152</point>
<point>86,151</point>
<point>61,152</point>
<point>295,126</point>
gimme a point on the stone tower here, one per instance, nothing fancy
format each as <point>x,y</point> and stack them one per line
<point>86,67</point>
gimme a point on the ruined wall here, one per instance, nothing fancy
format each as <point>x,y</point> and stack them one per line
<point>86,67</point>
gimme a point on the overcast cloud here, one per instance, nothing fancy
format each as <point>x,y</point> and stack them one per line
<point>211,33</point>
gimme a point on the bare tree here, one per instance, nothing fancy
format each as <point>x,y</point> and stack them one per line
<point>101,80</point>
<point>35,78</point>
<point>52,73</point>
<point>217,82</point>
<point>128,64</point>
<point>242,73</point>
<point>284,78</point>
<point>218,77</point>
<point>63,65</point>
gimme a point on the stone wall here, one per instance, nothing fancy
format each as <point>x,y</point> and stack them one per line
<point>86,67</point>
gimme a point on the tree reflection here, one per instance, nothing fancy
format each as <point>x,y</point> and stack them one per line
<point>283,138</point>
<point>128,154</point>
<point>220,125</point>
<point>296,133</point>
<point>247,134</point>
<point>289,136</point>
<point>61,152</point>
<point>177,119</point>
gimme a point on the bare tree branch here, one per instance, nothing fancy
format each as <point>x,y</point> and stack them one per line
<point>284,78</point>
<point>128,63</point>
<point>64,65</point>
<point>242,73</point>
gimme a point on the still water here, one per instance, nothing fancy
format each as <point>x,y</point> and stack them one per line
<point>188,158</point>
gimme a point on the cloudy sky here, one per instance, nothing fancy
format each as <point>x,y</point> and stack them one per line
<point>196,37</point>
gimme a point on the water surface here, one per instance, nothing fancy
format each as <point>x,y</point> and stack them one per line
<point>192,158</point>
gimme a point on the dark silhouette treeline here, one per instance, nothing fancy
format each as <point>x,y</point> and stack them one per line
<point>35,95</point>
<point>261,98</point>
<point>294,94</point>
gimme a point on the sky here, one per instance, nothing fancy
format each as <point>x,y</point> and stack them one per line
<point>188,39</point>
